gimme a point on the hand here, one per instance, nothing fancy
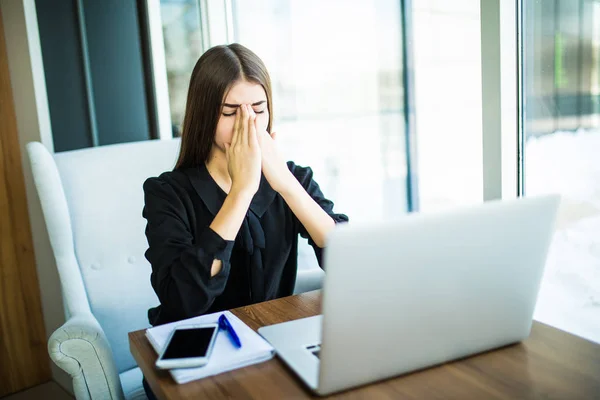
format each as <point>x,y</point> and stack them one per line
<point>273,166</point>
<point>244,154</point>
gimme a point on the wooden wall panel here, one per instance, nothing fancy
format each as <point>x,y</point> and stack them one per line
<point>24,360</point>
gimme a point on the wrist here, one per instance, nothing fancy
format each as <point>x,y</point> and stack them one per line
<point>240,194</point>
<point>288,185</point>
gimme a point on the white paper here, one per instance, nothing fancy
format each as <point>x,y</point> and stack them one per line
<point>225,356</point>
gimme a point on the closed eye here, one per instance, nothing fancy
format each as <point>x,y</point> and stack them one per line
<point>233,113</point>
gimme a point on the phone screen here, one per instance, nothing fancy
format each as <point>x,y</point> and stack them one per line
<point>189,343</point>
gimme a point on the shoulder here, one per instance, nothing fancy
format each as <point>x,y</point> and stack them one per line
<point>167,194</point>
<point>167,184</point>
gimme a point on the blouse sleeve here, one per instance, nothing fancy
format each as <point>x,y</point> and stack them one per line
<point>181,265</point>
<point>304,175</point>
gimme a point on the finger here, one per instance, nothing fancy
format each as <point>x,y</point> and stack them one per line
<point>227,149</point>
<point>244,125</point>
<point>236,127</point>
<point>252,136</point>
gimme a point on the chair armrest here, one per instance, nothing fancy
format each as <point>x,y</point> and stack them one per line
<point>309,279</point>
<point>81,349</point>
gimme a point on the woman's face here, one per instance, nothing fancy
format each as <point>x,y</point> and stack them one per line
<point>241,92</point>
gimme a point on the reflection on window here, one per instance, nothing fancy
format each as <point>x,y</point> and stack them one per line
<point>336,68</point>
<point>183,47</point>
<point>562,131</point>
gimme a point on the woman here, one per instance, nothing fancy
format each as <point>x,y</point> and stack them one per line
<point>223,225</point>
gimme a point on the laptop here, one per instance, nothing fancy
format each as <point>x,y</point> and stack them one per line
<point>409,294</point>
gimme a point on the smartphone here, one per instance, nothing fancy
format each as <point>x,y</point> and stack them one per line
<point>188,346</point>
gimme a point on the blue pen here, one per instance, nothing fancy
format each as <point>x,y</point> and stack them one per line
<point>225,325</point>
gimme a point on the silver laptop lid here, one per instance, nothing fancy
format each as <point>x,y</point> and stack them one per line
<point>404,295</point>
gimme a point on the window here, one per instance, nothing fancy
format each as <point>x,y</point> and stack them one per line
<point>561,91</point>
<point>337,79</point>
<point>183,45</point>
<point>448,103</point>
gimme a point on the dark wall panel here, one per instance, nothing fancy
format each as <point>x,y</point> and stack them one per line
<point>113,105</point>
<point>65,84</point>
<point>115,56</point>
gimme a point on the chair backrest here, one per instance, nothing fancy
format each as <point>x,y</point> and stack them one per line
<point>102,189</point>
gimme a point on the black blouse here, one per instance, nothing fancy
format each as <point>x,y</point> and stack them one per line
<point>259,265</point>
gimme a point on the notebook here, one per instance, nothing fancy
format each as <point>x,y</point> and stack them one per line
<point>225,356</point>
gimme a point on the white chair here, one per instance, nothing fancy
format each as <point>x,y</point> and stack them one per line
<point>105,278</point>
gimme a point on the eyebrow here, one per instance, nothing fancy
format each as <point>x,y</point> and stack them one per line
<point>258,103</point>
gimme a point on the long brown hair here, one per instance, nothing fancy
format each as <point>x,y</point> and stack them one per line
<point>214,74</point>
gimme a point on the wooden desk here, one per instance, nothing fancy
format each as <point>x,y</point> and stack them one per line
<point>550,364</point>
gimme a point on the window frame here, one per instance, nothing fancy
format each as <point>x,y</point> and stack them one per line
<point>502,102</point>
